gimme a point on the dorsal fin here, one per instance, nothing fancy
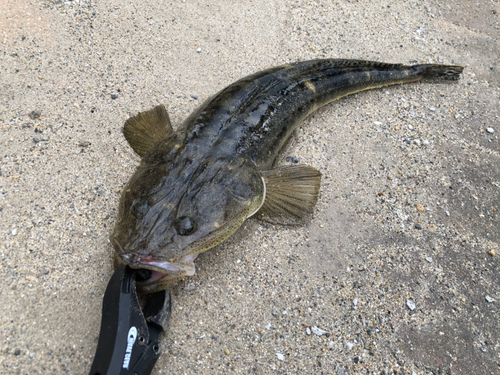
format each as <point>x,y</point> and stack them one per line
<point>146,129</point>
<point>291,193</point>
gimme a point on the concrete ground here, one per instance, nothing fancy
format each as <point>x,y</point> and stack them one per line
<point>396,273</point>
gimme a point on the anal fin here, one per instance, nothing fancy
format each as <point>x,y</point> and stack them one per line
<point>291,194</point>
<point>147,128</point>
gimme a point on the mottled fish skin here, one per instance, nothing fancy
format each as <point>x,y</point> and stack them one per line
<point>256,115</point>
<point>197,185</point>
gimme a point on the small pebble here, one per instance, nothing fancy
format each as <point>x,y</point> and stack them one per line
<point>35,114</point>
<point>198,50</point>
<point>426,143</point>
<point>308,331</point>
<point>420,208</point>
<point>14,232</point>
<point>190,286</point>
<point>410,127</point>
<point>489,299</point>
<point>46,272</point>
<point>492,252</point>
<point>490,130</point>
<point>350,345</point>
<point>194,97</point>
<point>429,259</point>
<point>280,356</point>
<point>317,331</point>
<point>36,140</point>
<point>227,352</point>
<point>17,352</point>
<point>410,304</point>
<point>418,226</point>
<point>377,123</point>
<point>114,96</point>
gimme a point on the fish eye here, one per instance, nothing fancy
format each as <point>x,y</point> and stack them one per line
<point>139,208</point>
<point>185,226</point>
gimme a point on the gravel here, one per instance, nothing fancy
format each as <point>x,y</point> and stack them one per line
<point>411,305</point>
<point>34,115</point>
<point>318,331</point>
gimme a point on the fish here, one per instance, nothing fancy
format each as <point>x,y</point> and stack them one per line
<point>195,186</point>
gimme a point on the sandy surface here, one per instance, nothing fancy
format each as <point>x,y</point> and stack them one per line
<point>397,288</point>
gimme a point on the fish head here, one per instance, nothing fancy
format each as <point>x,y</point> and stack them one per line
<point>171,212</point>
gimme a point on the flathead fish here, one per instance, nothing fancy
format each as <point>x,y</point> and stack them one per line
<point>197,185</point>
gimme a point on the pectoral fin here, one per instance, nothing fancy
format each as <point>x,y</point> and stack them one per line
<point>147,128</point>
<point>291,193</point>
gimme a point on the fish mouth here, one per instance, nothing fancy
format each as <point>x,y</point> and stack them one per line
<point>161,271</point>
<point>154,270</point>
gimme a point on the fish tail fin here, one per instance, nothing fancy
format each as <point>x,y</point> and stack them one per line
<point>438,73</point>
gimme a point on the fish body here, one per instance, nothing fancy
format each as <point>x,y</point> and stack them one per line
<point>197,185</point>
